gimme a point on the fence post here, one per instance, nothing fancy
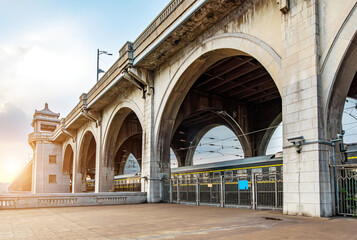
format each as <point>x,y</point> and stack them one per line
<point>253,191</point>
<point>276,191</point>
<point>222,191</point>
<point>171,191</point>
<point>178,190</point>
<point>337,188</point>
<point>238,190</point>
<point>197,191</point>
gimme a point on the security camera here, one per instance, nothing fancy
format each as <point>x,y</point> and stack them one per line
<point>297,141</point>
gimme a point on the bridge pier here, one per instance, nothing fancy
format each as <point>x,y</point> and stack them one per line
<point>307,185</point>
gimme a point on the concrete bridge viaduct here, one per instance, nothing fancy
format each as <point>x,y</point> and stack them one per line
<point>244,64</point>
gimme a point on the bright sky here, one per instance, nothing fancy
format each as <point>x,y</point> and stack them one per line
<point>48,54</point>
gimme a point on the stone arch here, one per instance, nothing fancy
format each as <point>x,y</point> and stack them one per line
<point>87,156</point>
<point>341,83</point>
<point>68,164</point>
<point>221,46</point>
<point>337,72</point>
<point>196,62</point>
<point>127,103</point>
<point>67,161</point>
<point>120,131</point>
<point>116,121</point>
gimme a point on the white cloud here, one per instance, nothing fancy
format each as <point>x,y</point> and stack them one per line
<point>49,64</point>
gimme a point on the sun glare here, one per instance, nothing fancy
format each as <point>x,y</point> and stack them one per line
<point>9,171</point>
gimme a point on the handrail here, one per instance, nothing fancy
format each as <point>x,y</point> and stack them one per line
<point>163,15</point>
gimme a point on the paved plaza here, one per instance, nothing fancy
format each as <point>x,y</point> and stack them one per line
<point>165,221</point>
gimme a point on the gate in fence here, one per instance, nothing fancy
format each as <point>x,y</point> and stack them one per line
<point>256,191</point>
<point>347,191</point>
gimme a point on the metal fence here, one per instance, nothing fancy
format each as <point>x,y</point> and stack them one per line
<point>256,190</point>
<point>347,191</point>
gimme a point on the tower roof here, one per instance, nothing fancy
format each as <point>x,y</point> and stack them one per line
<point>46,112</point>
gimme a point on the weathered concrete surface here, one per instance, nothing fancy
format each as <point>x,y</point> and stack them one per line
<point>165,221</point>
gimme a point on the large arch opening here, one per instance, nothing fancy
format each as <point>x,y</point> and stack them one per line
<point>87,161</point>
<point>225,88</point>
<point>123,149</point>
<point>341,122</point>
<point>68,165</point>
<point>340,109</point>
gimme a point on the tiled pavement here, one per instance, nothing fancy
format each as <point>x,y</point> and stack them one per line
<point>165,221</point>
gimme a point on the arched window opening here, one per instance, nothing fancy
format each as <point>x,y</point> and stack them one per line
<point>131,165</point>
<point>218,144</point>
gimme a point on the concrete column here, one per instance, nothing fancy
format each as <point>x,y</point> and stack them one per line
<point>74,168</point>
<point>99,171</point>
<point>307,187</point>
<point>151,170</point>
<point>77,182</point>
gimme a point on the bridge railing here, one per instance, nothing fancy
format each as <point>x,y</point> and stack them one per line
<point>347,191</point>
<point>13,201</point>
<point>257,191</point>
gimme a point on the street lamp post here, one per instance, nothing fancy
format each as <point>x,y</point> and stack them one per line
<point>98,69</point>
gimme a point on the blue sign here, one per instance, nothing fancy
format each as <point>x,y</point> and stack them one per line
<point>243,185</point>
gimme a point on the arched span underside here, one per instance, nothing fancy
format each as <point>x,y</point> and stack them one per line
<point>113,134</point>
<point>212,50</point>
<point>124,137</point>
<point>117,117</point>
<point>132,145</point>
<point>344,85</point>
<point>237,90</point>
<point>338,68</point>
<point>68,160</point>
<point>87,156</point>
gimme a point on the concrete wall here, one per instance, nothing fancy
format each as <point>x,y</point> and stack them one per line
<point>43,169</point>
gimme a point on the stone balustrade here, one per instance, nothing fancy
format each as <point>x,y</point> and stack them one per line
<point>14,201</point>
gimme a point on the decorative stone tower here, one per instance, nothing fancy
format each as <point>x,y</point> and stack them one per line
<point>47,176</point>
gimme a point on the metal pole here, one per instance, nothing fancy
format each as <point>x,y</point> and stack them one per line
<point>276,191</point>
<point>97,64</point>
<point>253,191</point>
<point>334,173</point>
<point>197,191</point>
<point>178,190</point>
<point>187,186</point>
<point>171,190</point>
<point>238,190</point>
<point>222,191</point>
